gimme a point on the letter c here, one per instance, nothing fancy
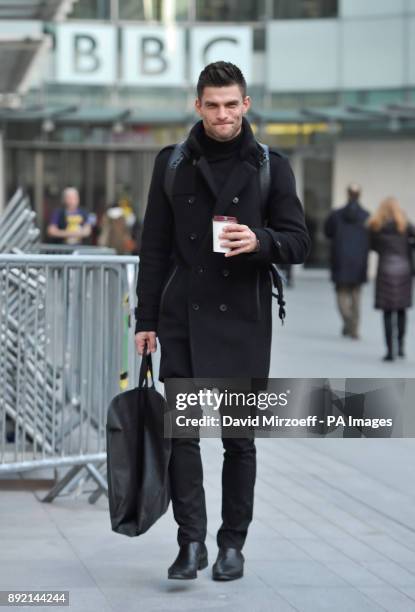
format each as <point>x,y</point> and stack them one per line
<point>233,41</point>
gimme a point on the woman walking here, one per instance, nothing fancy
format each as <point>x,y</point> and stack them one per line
<point>390,231</point>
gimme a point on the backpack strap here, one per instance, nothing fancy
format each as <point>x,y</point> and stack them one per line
<point>265,186</point>
<point>264,176</point>
<point>177,155</point>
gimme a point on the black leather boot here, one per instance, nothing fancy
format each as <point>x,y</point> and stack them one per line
<point>229,564</point>
<point>192,557</point>
<point>401,332</point>
<point>387,316</point>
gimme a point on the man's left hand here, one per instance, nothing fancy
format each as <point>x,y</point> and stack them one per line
<point>239,238</point>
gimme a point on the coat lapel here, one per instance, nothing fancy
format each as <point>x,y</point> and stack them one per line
<point>206,172</point>
<point>241,174</point>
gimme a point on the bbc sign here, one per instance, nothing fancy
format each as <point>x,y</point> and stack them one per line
<point>150,55</point>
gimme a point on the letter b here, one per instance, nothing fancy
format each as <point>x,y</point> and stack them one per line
<point>152,60</point>
<point>85,58</point>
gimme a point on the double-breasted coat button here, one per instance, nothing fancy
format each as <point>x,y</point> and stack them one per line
<point>223,308</point>
<point>191,200</point>
<point>235,200</point>
<point>195,306</point>
<point>200,269</point>
<point>225,272</point>
<point>193,236</point>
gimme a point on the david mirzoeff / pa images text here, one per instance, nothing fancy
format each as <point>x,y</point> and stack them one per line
<point>264,420</point>
<point>289,408</point>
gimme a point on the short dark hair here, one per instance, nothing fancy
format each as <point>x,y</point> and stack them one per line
<point>221,74</point>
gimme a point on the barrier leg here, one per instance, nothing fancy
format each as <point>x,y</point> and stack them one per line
<point>59,486</point>
<point>101,482</point>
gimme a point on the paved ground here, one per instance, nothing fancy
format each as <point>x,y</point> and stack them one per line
<point>334,524</point>
<point>310,343</point>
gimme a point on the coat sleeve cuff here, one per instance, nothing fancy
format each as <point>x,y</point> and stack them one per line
<point>145,325</point>
<point>265,253</point>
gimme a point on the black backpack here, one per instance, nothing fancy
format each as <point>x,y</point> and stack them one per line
<point>177,156</point>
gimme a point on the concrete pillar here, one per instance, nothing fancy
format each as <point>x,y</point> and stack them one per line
<point>39,188</point>
<point>110,178</point>
<point>2,175</point>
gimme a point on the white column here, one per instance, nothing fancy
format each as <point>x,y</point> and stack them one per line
<point>297,165</point>
<point>2,175</point>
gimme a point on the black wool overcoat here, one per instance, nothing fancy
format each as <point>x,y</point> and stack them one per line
<point>222,305</point>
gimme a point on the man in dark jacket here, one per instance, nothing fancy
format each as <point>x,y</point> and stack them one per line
<point>346,228</point>
<point>212,311</point>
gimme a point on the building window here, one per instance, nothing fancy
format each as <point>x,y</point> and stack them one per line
<point>153,10</point>
<point>300,100</point>
<point>259,35</point>
<point>374,97</point>
<point>91,9</point>
<point>305,9</point>
<point>230,10</point>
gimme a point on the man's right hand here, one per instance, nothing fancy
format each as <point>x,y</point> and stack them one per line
<point>143,338</point>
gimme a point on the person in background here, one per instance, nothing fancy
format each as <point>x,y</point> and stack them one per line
<point>389,237</point>
<point>346,228</point>
<point>115,231</point>
<point>70,223</point>
<point>136,232</point>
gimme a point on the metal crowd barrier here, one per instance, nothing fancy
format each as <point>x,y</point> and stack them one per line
<point>68,249</point>
<point>66,348</point>
<point>17,225</point>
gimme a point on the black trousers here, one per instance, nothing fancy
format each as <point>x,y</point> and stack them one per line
<point>389,327</point>
<point>186,470</point>
<point>188,495</point>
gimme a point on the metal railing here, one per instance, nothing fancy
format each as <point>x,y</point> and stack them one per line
<point>66,348</point>
<point>18,230</point>
<point>46,248</point>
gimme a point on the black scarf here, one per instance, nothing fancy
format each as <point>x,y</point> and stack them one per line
<point>245,141</point>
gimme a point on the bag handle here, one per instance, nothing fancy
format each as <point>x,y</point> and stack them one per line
<point>277,282</point>
<point>146,367</point>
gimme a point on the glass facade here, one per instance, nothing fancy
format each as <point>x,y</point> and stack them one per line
<point>298,100</point>
<point>204,10</point>
<point>91,9</point>
<point>305,9</point>
<point>230,10</point>
<point>154,10</point>
<point>376,97</point>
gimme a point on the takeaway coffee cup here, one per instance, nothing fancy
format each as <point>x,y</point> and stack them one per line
<point>218,223</point>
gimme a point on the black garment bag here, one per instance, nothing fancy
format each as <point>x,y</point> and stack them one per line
<point>138,456</point>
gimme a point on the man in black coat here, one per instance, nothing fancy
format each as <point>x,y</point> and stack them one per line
<point>346,228</point>
<point>212,311</point>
